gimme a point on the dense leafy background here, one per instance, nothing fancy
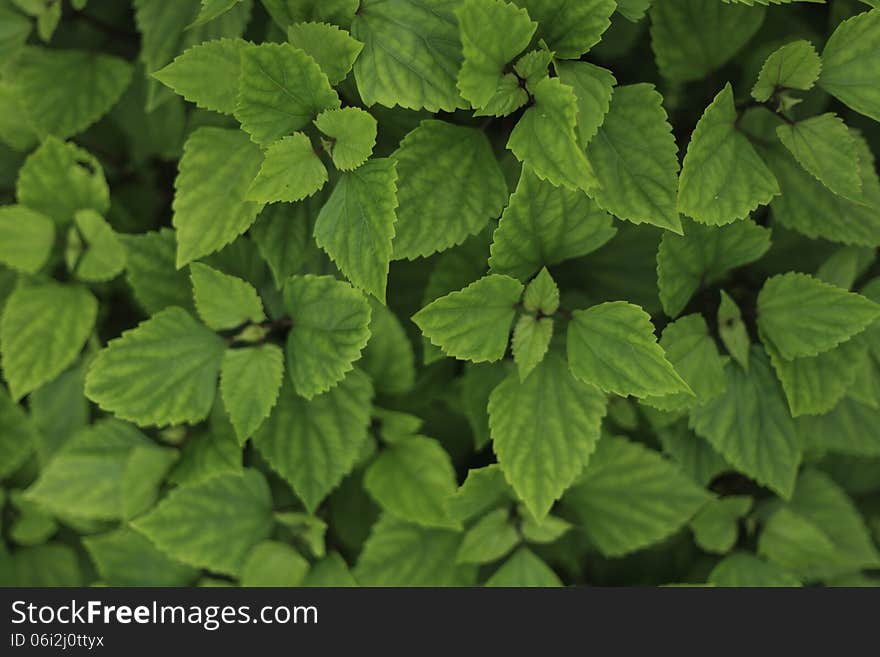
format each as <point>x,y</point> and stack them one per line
<point>439,292</point>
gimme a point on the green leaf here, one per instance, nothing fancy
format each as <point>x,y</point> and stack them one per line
<point>722,179</point>
<point>636,160</point>
<point>272,563</point>
<point>524,569</point>
<point>411,480</point>
<point>333,48</point>
<point>493,536</point>
<point>630,497</point>
<point>544,225</point>
<point>151,273</point>
<point>844,429</point>
<point>250,379</point>
<point>210,453</point>
<point>291,171</point>
<point>450,174</point>
<point>129,378</point>
<point>531,339</point>
<point>106,471</point>
<point>824,146</point>
<point>570,28</point>
<point>695,456</point>
<point>224,301</point>
<point>211,9</point>
<point>330,329</point>
<point>484,488</point>
<point>692,38</point>
<point>395,66</point>
<point>544,430</point>
<point>352,133</point>
<point>753,405</point>
<point>26,238</point>
<point>732,331</point>
<point>47,565</point>
<point>356,225</point>
<point>544,138</point>
<point>548,530</point>
<point>692,352</point>
<point>802,316</point>
<point>534,66</point>
<point>742,569</point>
<point>283,235</point>
<point>542,294</point>
<point>702,256</point>
<point>331,571</point>
<point>124,557</point>
<point>845,265</point>
<point>59,178</point>
<point>213,524</point>
<point>282,90</point>
<point>66,91</point>
<point>715,526</point>
<point>613,347</point>
<point>207,74</point>
<point>473,323</point>
<point>388,357</point>
<point>103,257</point>
<point>399,553</point>
<point>15,31</point>
<point>314,443</point>
<point>795,65</point>
<point>210,206</point>
<point>851,64</point>
<point>593,87</point>
<point>487,52</point>
<point>43,328</point>
<point>285,12</point>
<point>18,436</point>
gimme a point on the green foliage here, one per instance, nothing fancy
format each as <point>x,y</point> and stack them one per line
<point>414,293</point>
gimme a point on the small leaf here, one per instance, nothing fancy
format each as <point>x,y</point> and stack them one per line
<point>531,339</point>
<point>593,87</point>
<point>732,331</point>
<point>291,171</point>
<point>224,301</point>
<point>250,379</point>
<point>483,489</point>
<point>104,256</point>
<point>524,569</point>
<point>211,9</point>
<point>541,294</point>
<point>715,525</point>
<point>26,238</point>
<point>333,48</point>
<point>493,536</point>
<point>795,65</point>
<point>271,563</point>
<point>124,557</point>
<point>742,569</point>
<point>570,28</point>
<point>18,435</point>
<point>353,135</point>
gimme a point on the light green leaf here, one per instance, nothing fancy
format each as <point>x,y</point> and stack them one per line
<point>593,86</point>
<point>213,524</point>
<point>692,38</point>
<point>411,480</point>
<point>43,328</point>
<point>722,179</point>
<point>106,471</point>
<point>66,91</point>
<point>356,225</point>
<point>851,64</point>
<point>271,563</point>
<point>483,489</point>
<point>692,352</point>
<point>570,28</point>
<point>732,331</point>
<point>531,339</point>
<point>493,536</point>
<point>102,256</point>
<point>333,48</point>
<point>487,52</point>
<point>742,569</point>
<point>399,553</point>
<point>630,497</point>
<point>549,530</point>
<point>59,178</point>
<point>824,146</point>
<point>802,316</point>
<point>636,160</point>
<point>313,444</point>
<point>129,378</point>
<point>795,65</point>
<point>473,323</point>
<point>524,569</point>
<point>542,294</point>
<point>211,9</point>
<point>544,430</point>
<point>18,436</point>
<point>544,225</point>
<point>281,90</point>
<point>210,453</point>
<point>352,133</point>
<point>395,66</point>
<point>283,234</point>
<point>26,238</point>
<point>250,379</point>
<point>715,525</point>
<point>447,173</point>
<point>612,346</point>
<point>124,557</point>
<point>207,74</point>
<point>753,406</point>
<point>214,174</point>
<point>544,138</point>
<point>330,329</point>
<point>224,301</point>
<point>151,272</point>
<point>331,571</point>
<point>388,357</point>
<point>291,171</point>
<point>702,256</point>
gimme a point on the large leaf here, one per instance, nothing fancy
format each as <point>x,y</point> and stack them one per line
<point>450,187</point>
<point>130,377</point>
<point>42,330</point>
<point>212,524</point>
<point>314,443</point>
<point>630,496</point>
<point>544,430</point>
<point>570,28</point>
<point>851,64</point>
